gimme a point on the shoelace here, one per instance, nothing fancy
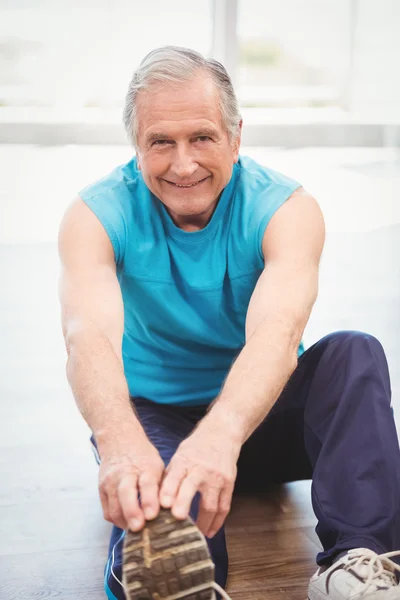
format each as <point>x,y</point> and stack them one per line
<point>221,591</point>
<point>380,569</point>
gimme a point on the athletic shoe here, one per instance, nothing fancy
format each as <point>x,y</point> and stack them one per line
<point>360,574</point>
<point>168,559</point>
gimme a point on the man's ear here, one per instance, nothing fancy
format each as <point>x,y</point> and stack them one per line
<point>236,143</point>
<point>138,161</point>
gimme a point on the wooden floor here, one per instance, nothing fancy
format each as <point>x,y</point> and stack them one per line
<point>272,544</point>
<point>53,541</point>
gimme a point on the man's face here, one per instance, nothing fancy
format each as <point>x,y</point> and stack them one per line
<point>184,150</point>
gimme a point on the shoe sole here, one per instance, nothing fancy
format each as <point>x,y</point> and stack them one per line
<point>167,560</point>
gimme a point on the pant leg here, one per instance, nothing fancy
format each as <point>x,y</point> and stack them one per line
<point>166,426</point>
<point>333,422</point>
<point>352,443</point>
<point>275,452</point>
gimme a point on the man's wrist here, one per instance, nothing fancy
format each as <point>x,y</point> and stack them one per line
<point>119,436</point>
<point>220,420</point>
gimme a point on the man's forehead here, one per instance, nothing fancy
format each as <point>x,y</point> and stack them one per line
<point>191,105</point>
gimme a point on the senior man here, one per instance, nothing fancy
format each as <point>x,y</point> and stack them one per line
<point>188,277</point>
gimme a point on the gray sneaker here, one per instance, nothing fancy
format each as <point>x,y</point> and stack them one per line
<point>361,574</point>
<point>168,559</point>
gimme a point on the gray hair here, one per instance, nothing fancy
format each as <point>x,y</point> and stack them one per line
<point>174,65</point>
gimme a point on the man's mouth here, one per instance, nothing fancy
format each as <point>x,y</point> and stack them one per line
<point>187,185</point>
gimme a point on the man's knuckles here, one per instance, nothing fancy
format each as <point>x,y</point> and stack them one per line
<point>210,505</point>
<point>216,479</point>
<point>116,474</point>
<point>149,479</point>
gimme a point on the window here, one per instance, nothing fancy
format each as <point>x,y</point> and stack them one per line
<point>293,52</point>
<point>82,53</point>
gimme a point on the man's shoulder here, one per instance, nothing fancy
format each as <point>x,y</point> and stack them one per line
<point>112,200</point>
<point>260,193</point>
<point>262,190</point>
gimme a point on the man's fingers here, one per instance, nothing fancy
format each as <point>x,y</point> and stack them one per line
<point>149,488</point>
<point>170,486</point>
<point>128,498</point>
<point>208,508</point>
<point>224,507</point>
<point>111,508</point>
<point>186,493</point>
<point>104,503</point>
<point>114,510</point>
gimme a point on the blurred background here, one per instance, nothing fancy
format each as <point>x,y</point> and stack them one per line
<point>308,74</point>
<point>69,55</point>
<point>319,86</point>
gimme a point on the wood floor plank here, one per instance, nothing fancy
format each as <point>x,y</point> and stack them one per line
<point>271,552</point>
<point>62,575</point>
<point>62,523</point>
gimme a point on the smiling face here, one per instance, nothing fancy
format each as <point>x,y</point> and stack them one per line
<point>184,150</point>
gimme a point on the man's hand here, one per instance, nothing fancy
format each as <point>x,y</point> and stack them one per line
<point>124,473</point>
<point>205,462</point>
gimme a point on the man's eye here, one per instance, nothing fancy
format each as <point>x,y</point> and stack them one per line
<point>160,142</point>
<point>203,138</point>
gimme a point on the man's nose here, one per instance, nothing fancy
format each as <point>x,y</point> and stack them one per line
<point>183,164</point>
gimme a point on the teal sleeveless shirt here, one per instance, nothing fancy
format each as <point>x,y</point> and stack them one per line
<point>185,294</point>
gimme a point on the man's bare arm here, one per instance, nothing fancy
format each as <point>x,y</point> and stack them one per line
<point>93,323</point>
<point>278,313</point>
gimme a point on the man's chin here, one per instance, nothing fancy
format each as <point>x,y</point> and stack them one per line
<point>200,212</point>
<point>188,206</point>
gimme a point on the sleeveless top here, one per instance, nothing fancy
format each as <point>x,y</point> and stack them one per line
<point>185,294</point>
